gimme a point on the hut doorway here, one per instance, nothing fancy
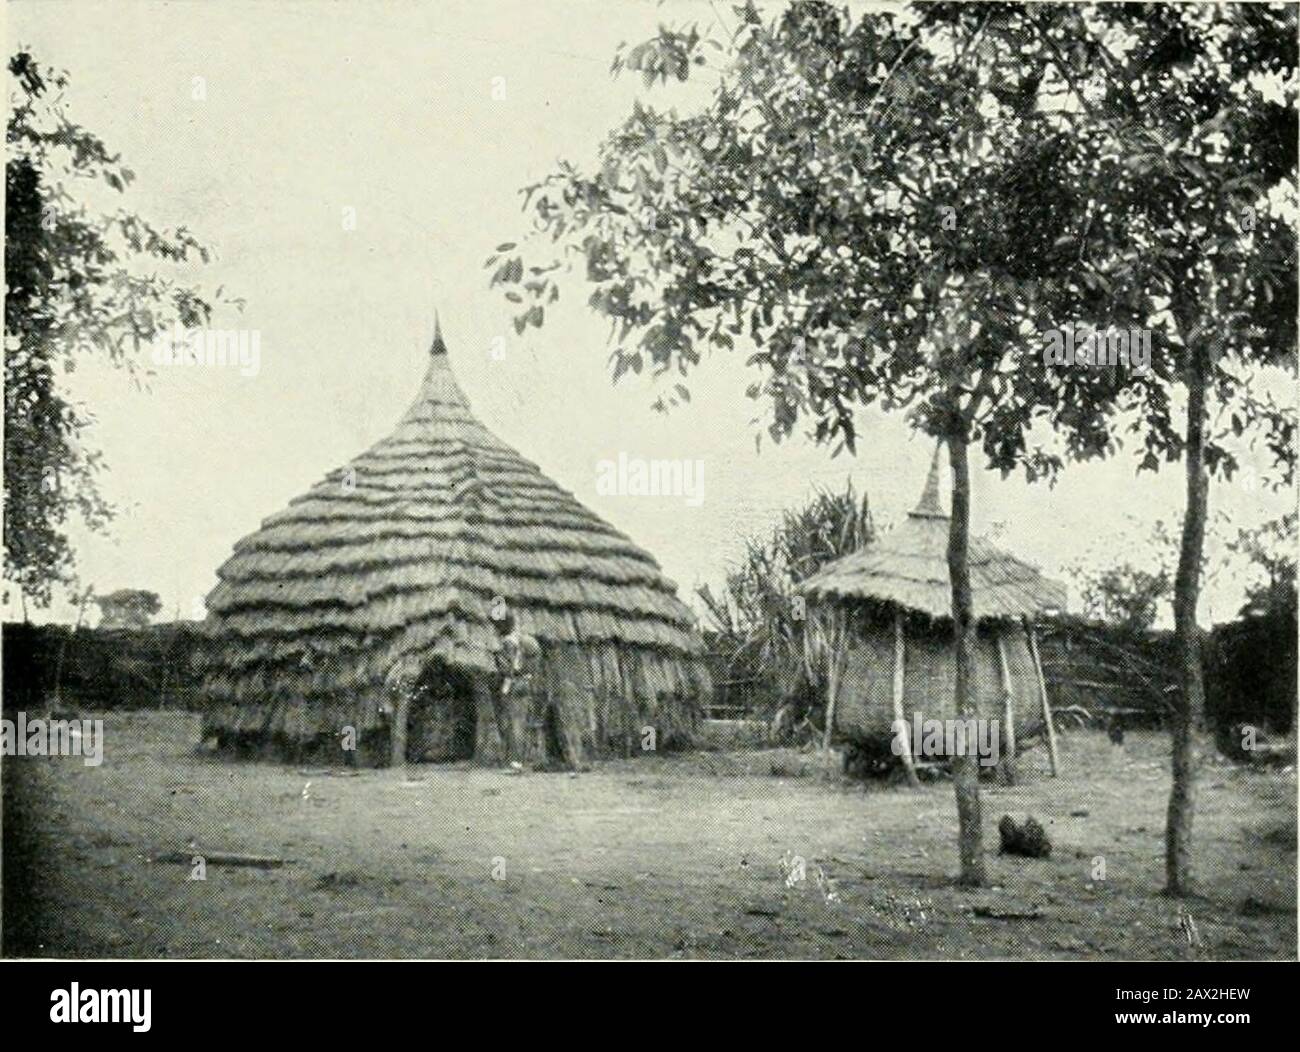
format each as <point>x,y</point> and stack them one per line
<point>442,722</point>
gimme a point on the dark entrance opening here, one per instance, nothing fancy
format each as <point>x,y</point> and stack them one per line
<point>443,717</point>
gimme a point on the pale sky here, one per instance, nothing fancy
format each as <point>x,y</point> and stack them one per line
<point>389,109</point>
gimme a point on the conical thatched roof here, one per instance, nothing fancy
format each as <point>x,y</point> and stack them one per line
<point>404,551</point>
<point>909,567</point>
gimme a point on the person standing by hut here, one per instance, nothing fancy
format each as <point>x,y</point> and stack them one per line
<point>403,692</point>
<point>518,656</point>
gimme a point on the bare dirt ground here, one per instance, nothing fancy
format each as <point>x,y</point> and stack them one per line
<point>661,856</point>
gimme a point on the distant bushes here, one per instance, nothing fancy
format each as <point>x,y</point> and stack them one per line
<point>102,668</point>
<point>1250,672</point>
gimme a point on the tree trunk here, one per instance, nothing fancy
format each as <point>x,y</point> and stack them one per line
<point>970,836</point>
<point>63,650</point>
<point>1190,702</point>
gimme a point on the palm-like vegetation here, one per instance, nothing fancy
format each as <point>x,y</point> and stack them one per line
<point>763,626</point>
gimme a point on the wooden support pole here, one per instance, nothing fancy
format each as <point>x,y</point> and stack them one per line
<point>1008,715</point>
<point>834,632</point>
<point>400,713</point>
<point>900,715</point>
<point>1042,692</point>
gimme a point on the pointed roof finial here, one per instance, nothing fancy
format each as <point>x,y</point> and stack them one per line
<point>439,383</point>
<point>928,507</point>
<point>438,347</point>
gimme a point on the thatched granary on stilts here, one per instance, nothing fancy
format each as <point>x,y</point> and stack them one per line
<point>401,556</point>
<point>885,614</point>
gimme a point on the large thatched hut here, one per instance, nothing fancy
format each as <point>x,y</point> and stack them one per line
<point>403,555</point>
<point>888,607</point>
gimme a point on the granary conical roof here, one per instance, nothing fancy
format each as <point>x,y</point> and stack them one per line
<point>929,505</point>
<point>908,566</point>
<point>404,550</point>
